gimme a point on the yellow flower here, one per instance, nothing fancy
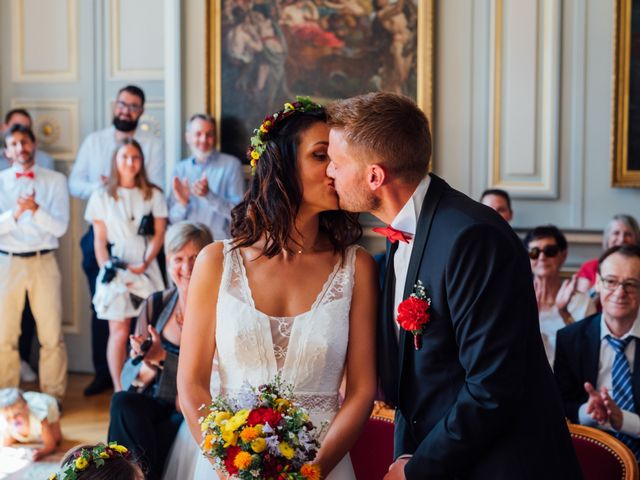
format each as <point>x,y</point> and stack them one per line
<point>282,404</point>
<point>258,445</point>
<point>312,472</point>
<point>230,438</point>
<point>81,463</point>
<point>288,106</point>
<point>242,460</point>
<point>119,448</point>
<point>104,455</point>
<point>221,417</point>
<point>286,450</point>
<point>208,442</point>
<point>255,155</point>
<point>263,129</point>
<point>53,476</point>
<point>248,434</point>
<point>237,420</point>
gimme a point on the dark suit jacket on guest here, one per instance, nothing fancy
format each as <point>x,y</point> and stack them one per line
<point>478,400</point>
<point>577,361</point>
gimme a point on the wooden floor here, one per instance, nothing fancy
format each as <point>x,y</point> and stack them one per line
<point>84,420</point>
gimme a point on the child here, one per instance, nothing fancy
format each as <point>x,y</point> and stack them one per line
<point>98,462</point>
<point>29,417</point>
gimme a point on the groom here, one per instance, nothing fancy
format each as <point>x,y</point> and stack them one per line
<point>474,393</point>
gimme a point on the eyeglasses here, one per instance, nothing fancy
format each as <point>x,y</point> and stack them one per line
<point>628,286</point>
<point>549,251</point>
<point>132,107</point>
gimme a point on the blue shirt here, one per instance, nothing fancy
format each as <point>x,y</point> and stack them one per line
<point>226,187</point>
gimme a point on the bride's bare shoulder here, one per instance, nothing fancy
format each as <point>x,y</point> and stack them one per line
<point>212,255</point>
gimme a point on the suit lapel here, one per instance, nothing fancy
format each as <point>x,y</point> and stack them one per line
<point>592,351</point>
<point>423,228</point>
<point>635,379</point>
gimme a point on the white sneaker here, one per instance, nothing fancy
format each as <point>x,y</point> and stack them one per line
<point>27,374</point>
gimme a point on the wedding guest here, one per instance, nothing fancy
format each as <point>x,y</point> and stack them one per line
<point>621,230</point>
<point>208,184</point>
<point>146,416</point>
<point>499,200</point>
<point>99,462</point>
<point>596,360</point>
<point>130,214</point>
<point>91,171</point>
<point>22,117</point>
<point>559,302</point>
<point>30,417</point>
<point>34,214</point>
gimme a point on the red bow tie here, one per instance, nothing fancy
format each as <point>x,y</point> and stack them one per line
<point>28,174</point>
<point>392,234</point>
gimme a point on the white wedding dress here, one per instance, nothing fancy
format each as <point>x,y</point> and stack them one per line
<point>309,349</point>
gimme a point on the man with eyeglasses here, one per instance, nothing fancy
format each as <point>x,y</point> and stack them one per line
<point>90,171</point>
<point>597,363</point>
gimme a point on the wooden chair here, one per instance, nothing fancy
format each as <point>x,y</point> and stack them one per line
<point>602,456</point>
<point>372,454</point>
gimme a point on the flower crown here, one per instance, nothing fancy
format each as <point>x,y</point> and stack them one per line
<point>85,456</point>
<point>257,148</point>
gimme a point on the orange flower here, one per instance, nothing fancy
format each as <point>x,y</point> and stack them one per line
<point>248,434</point>
<point>208,442</point>
<point>242,460</point>
<point>310,471</point>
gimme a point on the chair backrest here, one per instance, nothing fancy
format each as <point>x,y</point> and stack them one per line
<point>372,454</point>
<point>602,456</point>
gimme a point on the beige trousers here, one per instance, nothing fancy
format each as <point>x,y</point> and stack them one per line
<point>40,278</point>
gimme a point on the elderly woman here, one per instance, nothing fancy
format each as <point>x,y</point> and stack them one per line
<point>559,302</point>
<point>146,414</point>
<point>621,230</point>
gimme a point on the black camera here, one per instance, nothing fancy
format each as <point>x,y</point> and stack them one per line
<point>110,269</point>
<point>146,225</point>
<point>144,348</point>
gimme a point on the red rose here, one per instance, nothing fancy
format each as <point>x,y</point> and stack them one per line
<point>232,452</point>
<point>264,415</point>
<point>413,314</point>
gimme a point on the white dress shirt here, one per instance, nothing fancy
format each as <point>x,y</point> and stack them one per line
<point>226,187</point>
<point>39,230</point>
<point>407,221</point>
<point>630,420</point>
<point>95,156</point>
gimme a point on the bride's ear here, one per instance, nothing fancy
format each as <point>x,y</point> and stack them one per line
<point>376,176</point>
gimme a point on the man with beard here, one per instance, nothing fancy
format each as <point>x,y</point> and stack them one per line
<point>90,171</point>
<point>34,214</point>
<point>208,184</point>
<point>21,116</point>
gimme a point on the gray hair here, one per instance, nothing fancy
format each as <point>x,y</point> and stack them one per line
<point>628,221</point>
<point>181,233</point>
<point>9,397</point>
<point>205,117</point>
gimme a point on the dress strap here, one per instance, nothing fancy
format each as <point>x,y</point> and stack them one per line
<point>341,284</point>
<point>233,275</point>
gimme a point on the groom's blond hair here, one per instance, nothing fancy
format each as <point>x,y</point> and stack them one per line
<point>390,126</point>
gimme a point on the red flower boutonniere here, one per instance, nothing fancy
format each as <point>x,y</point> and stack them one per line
<point>413,313</point>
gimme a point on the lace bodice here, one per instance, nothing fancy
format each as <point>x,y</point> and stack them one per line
<point>309,349</point>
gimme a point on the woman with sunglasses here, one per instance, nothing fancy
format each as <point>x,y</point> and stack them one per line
<point>559,302</point>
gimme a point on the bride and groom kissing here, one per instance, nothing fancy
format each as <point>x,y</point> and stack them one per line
<point>463,362</point>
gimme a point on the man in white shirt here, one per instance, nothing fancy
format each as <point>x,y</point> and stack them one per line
<point>90,171</point>
<point>207,185</point>
<point>597,365</point>
<point>21,116</point>
<point>34,214</point>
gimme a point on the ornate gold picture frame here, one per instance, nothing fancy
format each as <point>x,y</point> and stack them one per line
<point>261,53</point>
<point>625,164</point>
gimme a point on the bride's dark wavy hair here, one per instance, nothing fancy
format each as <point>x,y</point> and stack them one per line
<point>271,203</point>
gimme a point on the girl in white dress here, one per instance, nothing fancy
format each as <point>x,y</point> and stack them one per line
<point>116,212</point>
<point>290,293</point>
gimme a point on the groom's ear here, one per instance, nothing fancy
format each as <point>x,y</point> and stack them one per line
<point>375,176</point>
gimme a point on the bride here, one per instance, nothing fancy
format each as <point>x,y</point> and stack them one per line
<point>290,293</point>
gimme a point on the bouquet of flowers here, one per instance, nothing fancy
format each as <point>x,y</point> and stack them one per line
<point>261,434</point>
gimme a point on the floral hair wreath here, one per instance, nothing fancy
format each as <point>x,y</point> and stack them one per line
<point>257,148</point>
<point>97,455</point>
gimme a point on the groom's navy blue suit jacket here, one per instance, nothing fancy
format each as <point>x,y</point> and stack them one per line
<point>478,400</point>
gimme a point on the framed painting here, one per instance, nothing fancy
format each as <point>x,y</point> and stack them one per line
<point>262,53</point>
<point>625,165</point>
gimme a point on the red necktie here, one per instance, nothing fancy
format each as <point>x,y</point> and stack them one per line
<point>28,174</point>
<point>392,234</point>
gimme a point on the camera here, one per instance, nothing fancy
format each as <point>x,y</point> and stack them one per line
<point>110,269</point>
<point>146,225</point>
